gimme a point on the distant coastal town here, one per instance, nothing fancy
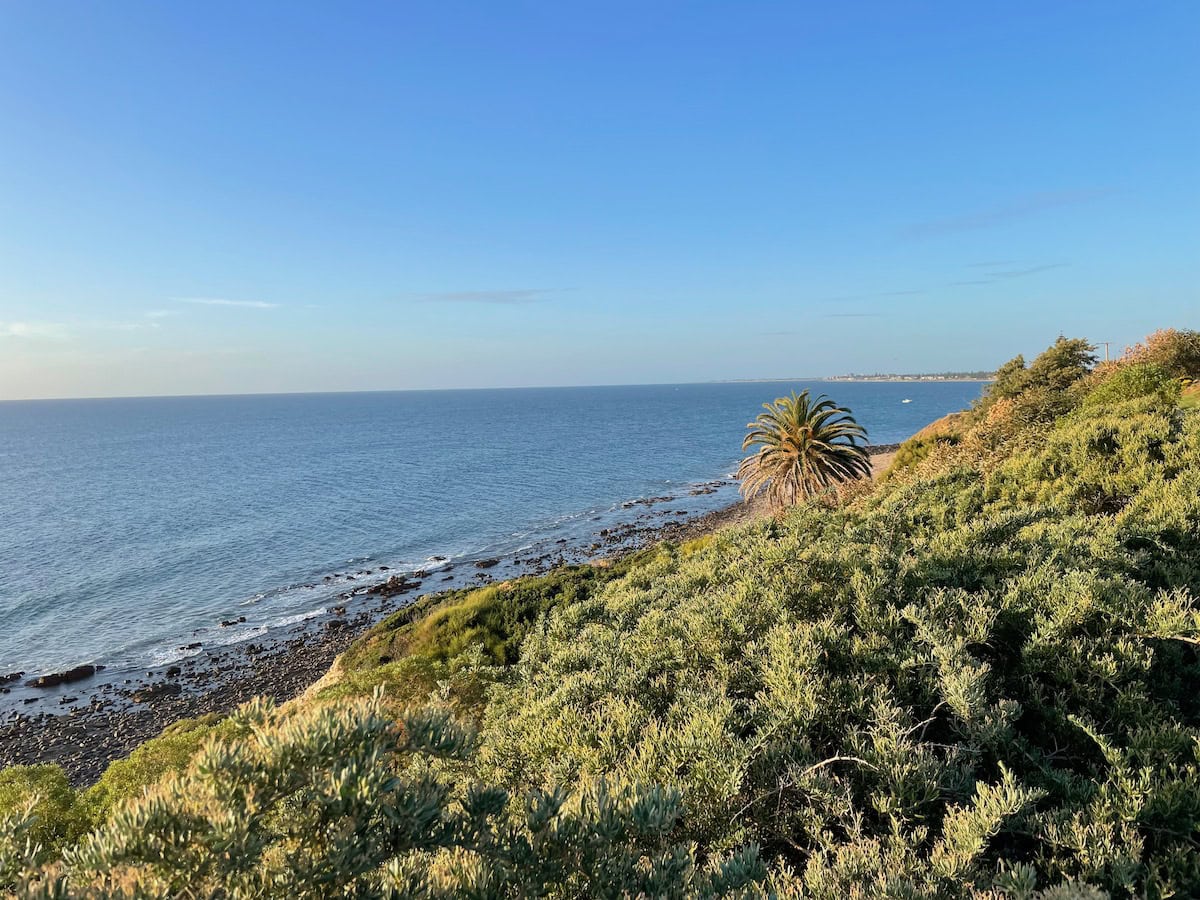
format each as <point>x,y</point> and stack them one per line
<point>928,376</point>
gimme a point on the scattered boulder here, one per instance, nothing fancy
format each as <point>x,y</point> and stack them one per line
<point>153,692</point>
<point>174,672</point>
<point>487,563</point>
<point>10,677</point>
<point>70,675</point>
<point>335,624</point>
<point>397,584</point>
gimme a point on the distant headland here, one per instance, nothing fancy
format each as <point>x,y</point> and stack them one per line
<point>878,376</point>
<point>925,376</point>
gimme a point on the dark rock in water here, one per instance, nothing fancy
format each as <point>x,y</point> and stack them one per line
<point>397,584</point>
<point>228,622</point>
<point>56,678</point>
<point>195,645</point>
<point>487,563</point>
<point>174,672</point>
<point>11,676</point>
<point>335,624</point>
<point>420,573</point>
<point>338,610</point>
<point>383,568</point>
<point>154,692</point>
<point>437,559</point>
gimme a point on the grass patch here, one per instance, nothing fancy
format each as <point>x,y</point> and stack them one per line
<point>443,627</point>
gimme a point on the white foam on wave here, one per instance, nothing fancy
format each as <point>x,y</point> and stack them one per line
<point>296,618</point>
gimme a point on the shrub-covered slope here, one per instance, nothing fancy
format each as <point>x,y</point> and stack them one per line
<point>974,674</point>
<point>980,680</point>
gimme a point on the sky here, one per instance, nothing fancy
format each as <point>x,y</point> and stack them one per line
<point>231,197</point>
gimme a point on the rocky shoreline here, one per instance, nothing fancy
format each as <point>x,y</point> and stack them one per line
<point>103,717</point>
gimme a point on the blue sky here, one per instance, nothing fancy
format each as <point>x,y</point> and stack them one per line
<point>229,197</point>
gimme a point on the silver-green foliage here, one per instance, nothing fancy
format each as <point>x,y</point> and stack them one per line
<point>979,681</point>
<point>346,801</point>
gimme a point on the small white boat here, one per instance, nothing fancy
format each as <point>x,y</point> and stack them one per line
<point>906,400</point>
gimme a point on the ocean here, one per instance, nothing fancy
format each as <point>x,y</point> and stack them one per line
<point>131,526</point>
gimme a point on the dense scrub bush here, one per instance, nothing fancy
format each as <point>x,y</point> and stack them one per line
<point>916,449</point>
<point>1046,384</point>
<point>342,801</point>
<point>43,794</point>
<point>978,680</point>
<point>168,753</point>
<point>1176,351</point>
<point>1130,382</point>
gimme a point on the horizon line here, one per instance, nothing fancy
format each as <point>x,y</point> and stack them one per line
<point>843,379</point>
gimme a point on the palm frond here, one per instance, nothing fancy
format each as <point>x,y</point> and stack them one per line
<point>805,446</point>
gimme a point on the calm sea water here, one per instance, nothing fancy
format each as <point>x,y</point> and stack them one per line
<point>128,525</point>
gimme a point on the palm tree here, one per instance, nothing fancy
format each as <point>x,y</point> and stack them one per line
<point>805,446</point>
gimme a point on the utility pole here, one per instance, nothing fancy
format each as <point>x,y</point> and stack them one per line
<point>1105,343</point>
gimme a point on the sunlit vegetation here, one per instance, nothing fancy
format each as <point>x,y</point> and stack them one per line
<point>976,680</point>
<point>803,446</point>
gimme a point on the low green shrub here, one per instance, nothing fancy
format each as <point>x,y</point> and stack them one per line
<point>916,449</point>
<point>43,793</point>
<point>168,753</point>
<point>1132,382</point>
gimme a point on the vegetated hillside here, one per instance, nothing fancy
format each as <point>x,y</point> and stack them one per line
<point>978,680</point>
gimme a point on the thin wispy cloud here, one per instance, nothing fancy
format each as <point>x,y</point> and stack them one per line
<point>33,330</point>
<point>221,301</point>
<point>857,298</point>
<point>499,298</point>
<point>1009,274</point>
<point>1020,208</point>
<point>1033,270</point>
